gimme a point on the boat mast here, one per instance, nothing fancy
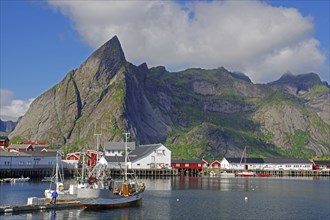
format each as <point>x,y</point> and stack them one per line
<point>244,157</point>
<point>125,174</point>
<point>57,168</point>
<point>83,167</point>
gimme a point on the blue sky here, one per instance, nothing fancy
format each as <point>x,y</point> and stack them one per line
<point>41,41</point>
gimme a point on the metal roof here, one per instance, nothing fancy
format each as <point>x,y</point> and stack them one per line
<point>119,145</point>
<point>270,160</point>
<point>322,162</point>
<point>287,160</point>
<point>248,160</point>
<point>139,152</point>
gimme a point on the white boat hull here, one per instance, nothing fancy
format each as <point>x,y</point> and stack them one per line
<point>22,179</point>
<point>106,198</point>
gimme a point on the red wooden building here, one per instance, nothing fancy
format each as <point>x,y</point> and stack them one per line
<point>20,147</point>
<point>215,164</point>
<point>4,141</point>
<point>321,164</point>
<point>73,156</point>
<point>90,160</point>
<point>188,166</point>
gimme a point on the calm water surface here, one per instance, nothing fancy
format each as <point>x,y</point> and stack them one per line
<point>199,198</point>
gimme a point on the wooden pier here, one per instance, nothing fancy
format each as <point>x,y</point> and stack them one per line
<point>293,173</point>
<point>147,172</point>
<point>40,173</point>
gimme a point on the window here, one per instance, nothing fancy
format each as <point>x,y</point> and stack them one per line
<point>138,164</point>
<point>186,165</point>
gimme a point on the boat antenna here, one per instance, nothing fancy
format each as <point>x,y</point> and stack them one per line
<point>125,172</point>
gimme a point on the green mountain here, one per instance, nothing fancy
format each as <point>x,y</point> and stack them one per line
<point>196,113</point>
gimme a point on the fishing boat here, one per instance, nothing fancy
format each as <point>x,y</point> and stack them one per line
<point>57,183</point>
<point>226,174</point>
<point>246,172</point>
<point>101,191</point>
<point>21,179</point>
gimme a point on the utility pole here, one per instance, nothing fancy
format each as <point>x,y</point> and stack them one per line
<point>97,144</point>
<point>125,175</point>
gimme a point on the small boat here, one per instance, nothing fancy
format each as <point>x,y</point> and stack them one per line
<point>212,173</point>
<point>226,174</point>
<point>245,173</point>
<point>21,179</point>
<point>7,180</point>
<point>263,175</point>
<point>47,179</point>
<point>100,191</point>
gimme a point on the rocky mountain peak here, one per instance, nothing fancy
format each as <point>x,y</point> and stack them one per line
<point>296,84</point>
<point>112,48</point>
<point>101,66</point>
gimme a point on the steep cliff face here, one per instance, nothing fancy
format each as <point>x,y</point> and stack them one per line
<point>196,113</point>
<point>103,96</point>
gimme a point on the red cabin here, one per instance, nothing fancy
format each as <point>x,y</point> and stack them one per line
<point>20,147</point>
<point>92,157</point>
<point>187,164</point>
<point>4,141</point>
<point>321,164</point>
<point>215,164</point>
<point>73,156</point>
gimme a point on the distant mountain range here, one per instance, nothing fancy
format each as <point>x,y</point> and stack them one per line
<point>7,126</point>
<point>196,113</point>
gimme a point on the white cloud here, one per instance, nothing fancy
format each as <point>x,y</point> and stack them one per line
<point>248,36</point>
<point>11,109</point>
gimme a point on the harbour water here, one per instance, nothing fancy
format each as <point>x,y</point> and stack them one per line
<point>198,198</point>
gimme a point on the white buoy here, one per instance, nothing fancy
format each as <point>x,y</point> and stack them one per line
<point>246,198</point>
<point>177,200</point>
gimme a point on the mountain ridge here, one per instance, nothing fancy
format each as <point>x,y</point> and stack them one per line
<point>195,112</point>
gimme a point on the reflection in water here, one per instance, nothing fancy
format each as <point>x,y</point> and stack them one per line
<point>53,215</point>
<point>217,198</point>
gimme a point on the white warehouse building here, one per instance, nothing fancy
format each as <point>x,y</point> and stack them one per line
<point>153,156</point>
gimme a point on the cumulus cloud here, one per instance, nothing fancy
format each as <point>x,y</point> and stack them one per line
<point>263,42</point>
<point>11,109</point>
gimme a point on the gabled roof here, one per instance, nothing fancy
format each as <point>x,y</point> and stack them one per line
<point>119,146</point>
<point>248,160</point>
<point>139,152</point>
<point>143,150</point>
<point>40,153</point>
<point>287,160</point>
<point>40,147</point>
<point>28,154</point>
<point>21,146</point>
<point>322,162</point>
